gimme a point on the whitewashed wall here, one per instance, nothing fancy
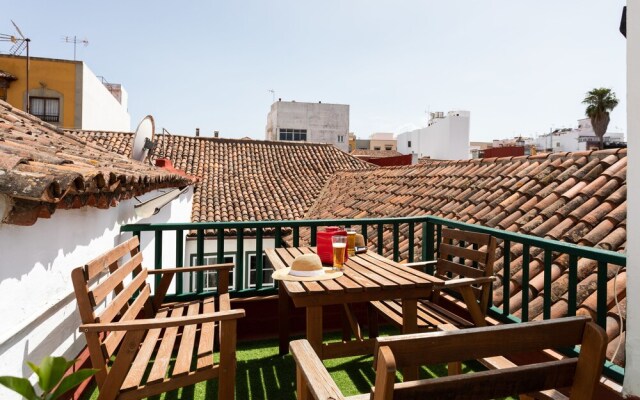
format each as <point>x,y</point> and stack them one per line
<point>632,371</point>
<point>446,139</point>
<point>323,122</point>
<point>100,110</point>
<point>37,303</point>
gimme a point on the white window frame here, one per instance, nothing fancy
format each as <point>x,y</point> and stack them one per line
<point>210,259</point>
<point>265,268</point>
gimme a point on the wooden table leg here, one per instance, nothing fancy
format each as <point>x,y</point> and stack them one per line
<point>409,325</point>
<point>372,315</point>
<point>283,319</point>
<point>314,328</point>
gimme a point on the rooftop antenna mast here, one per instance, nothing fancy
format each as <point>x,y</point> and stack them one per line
<point>273,95</point>
<point>75,41</point>
<point>19,45</point>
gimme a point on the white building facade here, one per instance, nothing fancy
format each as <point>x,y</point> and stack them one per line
<point>309,122</point>
<point>445,138</point>
<point>37,302</point>
<point>576,139</point>
<point>103,106</point>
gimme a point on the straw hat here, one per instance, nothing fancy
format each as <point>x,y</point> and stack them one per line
<point>305,268</point>
<point>359,240</point>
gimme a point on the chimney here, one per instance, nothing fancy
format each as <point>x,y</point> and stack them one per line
<point>197,132</point>
<point>215,134</point>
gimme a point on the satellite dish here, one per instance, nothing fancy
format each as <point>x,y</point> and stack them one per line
<point>144,131</point>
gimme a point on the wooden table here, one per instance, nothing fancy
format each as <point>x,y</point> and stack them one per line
<point>367,277</point>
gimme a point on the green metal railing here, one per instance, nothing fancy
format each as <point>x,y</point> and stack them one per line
<point>374,231</point>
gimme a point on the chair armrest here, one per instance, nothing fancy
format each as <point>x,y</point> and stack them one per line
<point>459,282</point>
<point>317,378</point>
<point>152,323</point>
<point>223,267</point>
<point>420,264</point>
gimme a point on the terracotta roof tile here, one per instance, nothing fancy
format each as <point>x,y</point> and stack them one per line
<point>43,169</point>
<point>255,180</point>
<point>575,197</point>
<point>118,142</point>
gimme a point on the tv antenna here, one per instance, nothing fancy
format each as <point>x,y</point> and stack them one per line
<point>273,95</point>
<point>20,43</point>
<point>75,41</point>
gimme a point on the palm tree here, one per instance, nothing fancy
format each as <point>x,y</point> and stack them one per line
<point>599,102</point>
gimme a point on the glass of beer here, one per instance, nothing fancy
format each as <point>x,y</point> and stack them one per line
<point>339,244</point>
<point>351,243</point>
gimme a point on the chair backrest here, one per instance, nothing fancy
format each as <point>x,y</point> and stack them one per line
<point>464,254</point>
<point>104,294</point>
<point>581,373</point>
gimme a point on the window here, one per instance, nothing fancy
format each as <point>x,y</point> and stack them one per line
<point>266,271</point>
<point>376,148</point>
<point>293,134</point>
<point>210,277</point>
<point>388,147</point>
<point>340,138</point>
<point>409,143</point>
<point>45,108</point>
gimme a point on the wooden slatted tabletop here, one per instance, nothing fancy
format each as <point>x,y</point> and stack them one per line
<point>367,277</point>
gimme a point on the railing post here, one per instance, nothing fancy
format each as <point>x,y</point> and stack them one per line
<point>396,240</point>
<point>601,313</point>
<point>506,277</point>
<point>200,260</point>
<point>380,233</point>
<point>314,231</point>
<point>428,250</point>
<point>179,259</point>
<point>157,257</point>
<point>239,259</point>
<point>365,235</point>
<point>278,237</point>
<point>411,242</point>
<point>548,259</point>
<point>296,236</point>
<point>220,246</point>
<point>573,285</point>
<point>525,283</point>
<point>259,258</point>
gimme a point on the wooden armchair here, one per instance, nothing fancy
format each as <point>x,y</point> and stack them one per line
<point>131,339</point>
<point>465,262</point>
<point>580,374</point>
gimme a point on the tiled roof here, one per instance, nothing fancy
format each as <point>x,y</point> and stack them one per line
<point>7,76</point>
<point>42,170</point>
<point>573,197</point>
<point>119,142</point>
<point>375,153</point>
<point>253,180</point>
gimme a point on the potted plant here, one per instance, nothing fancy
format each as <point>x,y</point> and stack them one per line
<point>51,379</point>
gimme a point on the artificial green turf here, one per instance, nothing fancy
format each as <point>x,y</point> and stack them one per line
<point>263,374</point>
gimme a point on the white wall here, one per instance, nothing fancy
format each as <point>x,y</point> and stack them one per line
<point>632,368</point>
<point>444,139</point>
<point>37,303</point>
<point>323,122</point>
<point>100,110</point>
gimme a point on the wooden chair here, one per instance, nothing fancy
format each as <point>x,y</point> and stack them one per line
<point>465,262</point>
<point>581,374</point>
<point>131,337</point>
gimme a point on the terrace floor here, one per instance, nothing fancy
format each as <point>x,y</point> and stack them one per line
<point>263,374</point>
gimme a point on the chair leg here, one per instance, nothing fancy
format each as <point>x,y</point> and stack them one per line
<point>372,315</point>
<point>227,375</point>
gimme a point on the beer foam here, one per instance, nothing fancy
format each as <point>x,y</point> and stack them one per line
<point>340,245</point>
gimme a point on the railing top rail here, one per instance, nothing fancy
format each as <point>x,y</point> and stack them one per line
<point>547,244</point>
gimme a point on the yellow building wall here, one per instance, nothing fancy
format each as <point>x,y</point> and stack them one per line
<point>58,75</point>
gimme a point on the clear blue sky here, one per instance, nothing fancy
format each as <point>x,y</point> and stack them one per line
<point>519,67</point>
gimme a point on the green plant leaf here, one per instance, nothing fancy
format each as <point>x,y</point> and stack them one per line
<point>50,372</point>
<point>22,386</point>
<point>70,381</point>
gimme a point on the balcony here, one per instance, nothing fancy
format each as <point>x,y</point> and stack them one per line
<point>522,259</point>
